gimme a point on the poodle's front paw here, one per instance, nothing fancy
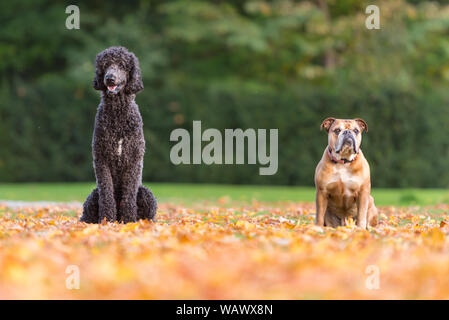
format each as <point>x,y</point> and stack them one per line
<point>108,216</point>
<point>129,218</point>
<point>128,213</point>
<point>105,219</point>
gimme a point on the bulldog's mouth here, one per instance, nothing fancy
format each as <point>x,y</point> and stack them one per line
<point>347,140</point>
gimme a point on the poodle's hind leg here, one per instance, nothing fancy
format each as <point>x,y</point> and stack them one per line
<point>90,208</point>
<point>146,204</point>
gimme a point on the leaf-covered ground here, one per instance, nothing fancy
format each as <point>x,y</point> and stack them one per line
<point>224,251</point>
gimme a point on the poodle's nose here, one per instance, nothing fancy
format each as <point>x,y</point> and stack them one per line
<point>110,79</point>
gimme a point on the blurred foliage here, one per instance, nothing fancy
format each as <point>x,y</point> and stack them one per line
<point>231,64</point>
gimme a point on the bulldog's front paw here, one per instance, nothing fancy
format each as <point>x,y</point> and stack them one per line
<point>362,225</point>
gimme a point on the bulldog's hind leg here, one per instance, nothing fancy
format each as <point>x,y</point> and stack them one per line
<point>146,204</point>
<point>331,220</point>
<point>372,213</point>
<point>90,208</point>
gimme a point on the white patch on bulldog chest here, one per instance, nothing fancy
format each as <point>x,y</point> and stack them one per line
<point>343,173</point>
<point>119,149</point>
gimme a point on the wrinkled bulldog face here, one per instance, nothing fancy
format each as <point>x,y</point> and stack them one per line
<point>344,136</point>
<point>114,78</point>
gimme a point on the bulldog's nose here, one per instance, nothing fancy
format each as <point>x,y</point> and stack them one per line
<point>346,132</point>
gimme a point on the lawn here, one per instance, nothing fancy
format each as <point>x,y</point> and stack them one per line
<point>192,193</point>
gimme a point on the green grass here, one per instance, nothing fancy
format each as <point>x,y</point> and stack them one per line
<point>189,193</point>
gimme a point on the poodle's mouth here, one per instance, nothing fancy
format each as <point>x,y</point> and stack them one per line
<point>112,88</point>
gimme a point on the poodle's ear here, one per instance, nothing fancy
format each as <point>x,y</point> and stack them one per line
<point>98,83</point>
<point>135,83</point>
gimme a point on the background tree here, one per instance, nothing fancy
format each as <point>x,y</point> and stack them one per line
<point>231,64</point>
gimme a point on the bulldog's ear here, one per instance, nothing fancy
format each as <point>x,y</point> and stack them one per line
<point>327,123</point>
<point>362,124</point>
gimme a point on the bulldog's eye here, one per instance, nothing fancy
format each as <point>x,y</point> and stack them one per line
<point>356,131</point>
<point>337,131</point>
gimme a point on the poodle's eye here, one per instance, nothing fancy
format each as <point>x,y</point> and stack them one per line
<point>337,131</point>
<point>356,131</point>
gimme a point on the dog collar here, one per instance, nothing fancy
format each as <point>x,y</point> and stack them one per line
<point>334,160</point>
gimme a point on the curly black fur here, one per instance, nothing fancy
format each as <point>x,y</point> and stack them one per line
<point>118,143</point>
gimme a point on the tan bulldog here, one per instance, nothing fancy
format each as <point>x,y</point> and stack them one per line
<point>342,177</point>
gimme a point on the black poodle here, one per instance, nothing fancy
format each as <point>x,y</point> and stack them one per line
<point>118,144</point>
